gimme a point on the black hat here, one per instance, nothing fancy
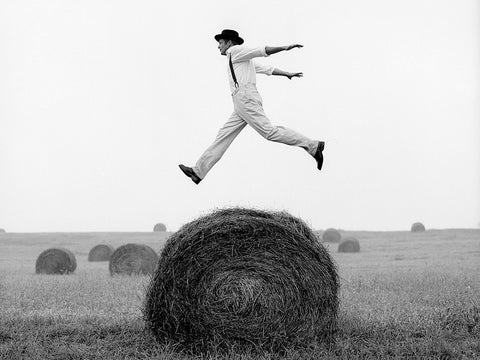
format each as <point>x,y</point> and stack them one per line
<point>229,35</point>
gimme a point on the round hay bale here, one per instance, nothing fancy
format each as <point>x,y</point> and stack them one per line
<point>2,230</point>
<point>133,259</point>
<point>417,227</point>
<point>331,236</point>
<point>160,227</point>
<point>101,252</point>
<point>349,244</point>
<point>243,277</point>
<point>56,261</point>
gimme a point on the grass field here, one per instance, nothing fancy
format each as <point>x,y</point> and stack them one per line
<point>405,295</point>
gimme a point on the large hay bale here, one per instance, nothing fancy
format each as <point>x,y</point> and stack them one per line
<point>243,277</point>
<point>331,236</point>
<point>160,227</point>
<point>417,227</point>
<point>56,261</point>
<point>101,252</point>
<point>133,259</point>
<point>349,244</point>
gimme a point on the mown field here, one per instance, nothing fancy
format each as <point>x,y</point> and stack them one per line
<point>405,295</point>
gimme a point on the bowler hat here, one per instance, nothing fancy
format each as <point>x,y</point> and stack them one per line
<point>229,35</point>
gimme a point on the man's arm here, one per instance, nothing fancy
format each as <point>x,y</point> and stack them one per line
<point>275,49</point>
<point>286,74</point>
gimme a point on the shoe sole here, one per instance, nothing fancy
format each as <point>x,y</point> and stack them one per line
<point>196,180</point>
<point>319,155</point>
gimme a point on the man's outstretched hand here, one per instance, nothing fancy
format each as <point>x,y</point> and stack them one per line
<point>289,75</point>
<point>292,75</point>
<point>275,49</point>
<point>290,47</point>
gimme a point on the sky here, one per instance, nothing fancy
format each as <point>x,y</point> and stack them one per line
<point>101,100</point>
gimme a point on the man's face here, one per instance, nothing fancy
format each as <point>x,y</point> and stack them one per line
<point>223,46</point>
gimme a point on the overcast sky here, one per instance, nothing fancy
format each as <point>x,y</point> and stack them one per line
<point>101,100</point>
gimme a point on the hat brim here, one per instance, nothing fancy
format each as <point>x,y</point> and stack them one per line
<point>222,36</point>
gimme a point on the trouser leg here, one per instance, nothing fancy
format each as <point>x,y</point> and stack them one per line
<point>225,136</point>
<point>249,106</point>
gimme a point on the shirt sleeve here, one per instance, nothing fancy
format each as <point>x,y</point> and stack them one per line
<point>263,69</point>
<point>241,53</point>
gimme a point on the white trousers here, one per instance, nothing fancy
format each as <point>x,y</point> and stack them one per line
<point>247,105</point>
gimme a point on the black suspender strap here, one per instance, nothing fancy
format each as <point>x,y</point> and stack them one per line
<point>231,69</point>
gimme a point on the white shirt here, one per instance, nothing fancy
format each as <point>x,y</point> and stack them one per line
<point>246,69</point>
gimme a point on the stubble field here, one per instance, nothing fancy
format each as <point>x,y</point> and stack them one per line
<point>405,295</point>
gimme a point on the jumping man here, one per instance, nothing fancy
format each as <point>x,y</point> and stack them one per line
<point>247,105</point>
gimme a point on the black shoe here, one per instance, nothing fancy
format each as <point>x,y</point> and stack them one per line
<point>319,155</point>
<point>190,173</point>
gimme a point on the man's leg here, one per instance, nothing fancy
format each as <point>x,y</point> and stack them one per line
<point>225,136</point>
<point>252,112</point>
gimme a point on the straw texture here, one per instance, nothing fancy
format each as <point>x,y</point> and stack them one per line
<point>331,236</point>
<point>243,277</point>
<point>349,244</point>
<point>101,252</point>
<point>56,261</point>
<point>133,259</point>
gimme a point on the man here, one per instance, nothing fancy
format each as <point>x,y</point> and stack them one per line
<point>247,105</point>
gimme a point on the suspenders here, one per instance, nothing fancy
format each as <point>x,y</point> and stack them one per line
<point>231,69</point>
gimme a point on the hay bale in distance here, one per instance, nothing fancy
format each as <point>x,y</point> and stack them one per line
<point>349,244</point>
<point>101,252</point>
<point>56,261</point>
<point>331,236</point>
<point>133,259</point>
<point>160,227</point>
<point>245,278</point>
<point>2,230</point>
<point>417,227</point>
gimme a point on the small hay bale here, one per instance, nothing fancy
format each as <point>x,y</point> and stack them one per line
<point>2,230</point>
<point>331,236</point>
<point>243,278</point>
<point>133,259</point>
<point>56,261</point>
<point>101,252</point>
<point>349,244</point>
<point>160,227</point>
<point>417,227</point>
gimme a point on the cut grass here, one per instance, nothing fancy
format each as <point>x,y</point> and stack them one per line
<point>422,305</point>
